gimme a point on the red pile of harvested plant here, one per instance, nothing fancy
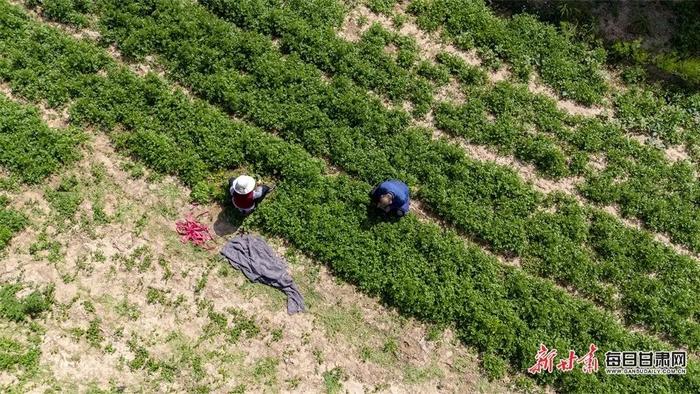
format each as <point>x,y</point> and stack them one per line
<point>193,231</point>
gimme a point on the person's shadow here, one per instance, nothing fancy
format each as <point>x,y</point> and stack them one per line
<point>228,221</point>
<point>376,216</point>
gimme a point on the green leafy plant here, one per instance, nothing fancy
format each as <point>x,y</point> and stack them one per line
<point>30,149</point>
<point>28,307</point>
<point>66,11</point>
<point>333,378</point>
<point>11,222</point>
<point>462,71</point>
<point>494,366</point>
<point>66,198</point>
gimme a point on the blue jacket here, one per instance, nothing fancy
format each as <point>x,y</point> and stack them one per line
<point>397,189</point>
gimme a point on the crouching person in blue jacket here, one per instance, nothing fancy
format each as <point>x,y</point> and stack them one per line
<point>391,197</point>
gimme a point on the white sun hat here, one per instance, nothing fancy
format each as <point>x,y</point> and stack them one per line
<point>244,184</point>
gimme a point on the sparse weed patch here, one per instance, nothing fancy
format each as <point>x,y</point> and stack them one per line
<point>265,370</point>
<point>241,326</point>
<point>157,296</point>
<point>417,375</point>
<point>93,334</point>
<point>126,309</point>
<point>66,198</point>
<point>333,380</point>
<point>11,222</point>
<point>28,307</point>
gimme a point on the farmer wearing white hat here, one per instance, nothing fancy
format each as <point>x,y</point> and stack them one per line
<point>245,194</point>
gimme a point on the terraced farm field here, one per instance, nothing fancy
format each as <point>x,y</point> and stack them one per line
<point>555,200</point>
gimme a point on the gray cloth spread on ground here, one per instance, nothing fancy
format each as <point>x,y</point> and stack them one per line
<point>254,257</point>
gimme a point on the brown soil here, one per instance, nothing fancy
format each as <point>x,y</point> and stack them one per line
<point>569,106</point>
<point>526,171</point>
<point>677,153</point>
<point>452,92</point>
<point>502,74</point>
<point>598,162</point>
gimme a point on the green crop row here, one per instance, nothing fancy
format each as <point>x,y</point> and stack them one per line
<point>571,68</point>
<point>31,150</point>
<point>508,132</point>
<point>341,122</point>
<point>664,196</point>
<point>638,177</point>
<point>423,270</point>
<point>528,125</point>
<point>174,135</point>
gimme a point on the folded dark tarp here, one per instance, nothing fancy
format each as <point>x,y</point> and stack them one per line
<point>254,257</point>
